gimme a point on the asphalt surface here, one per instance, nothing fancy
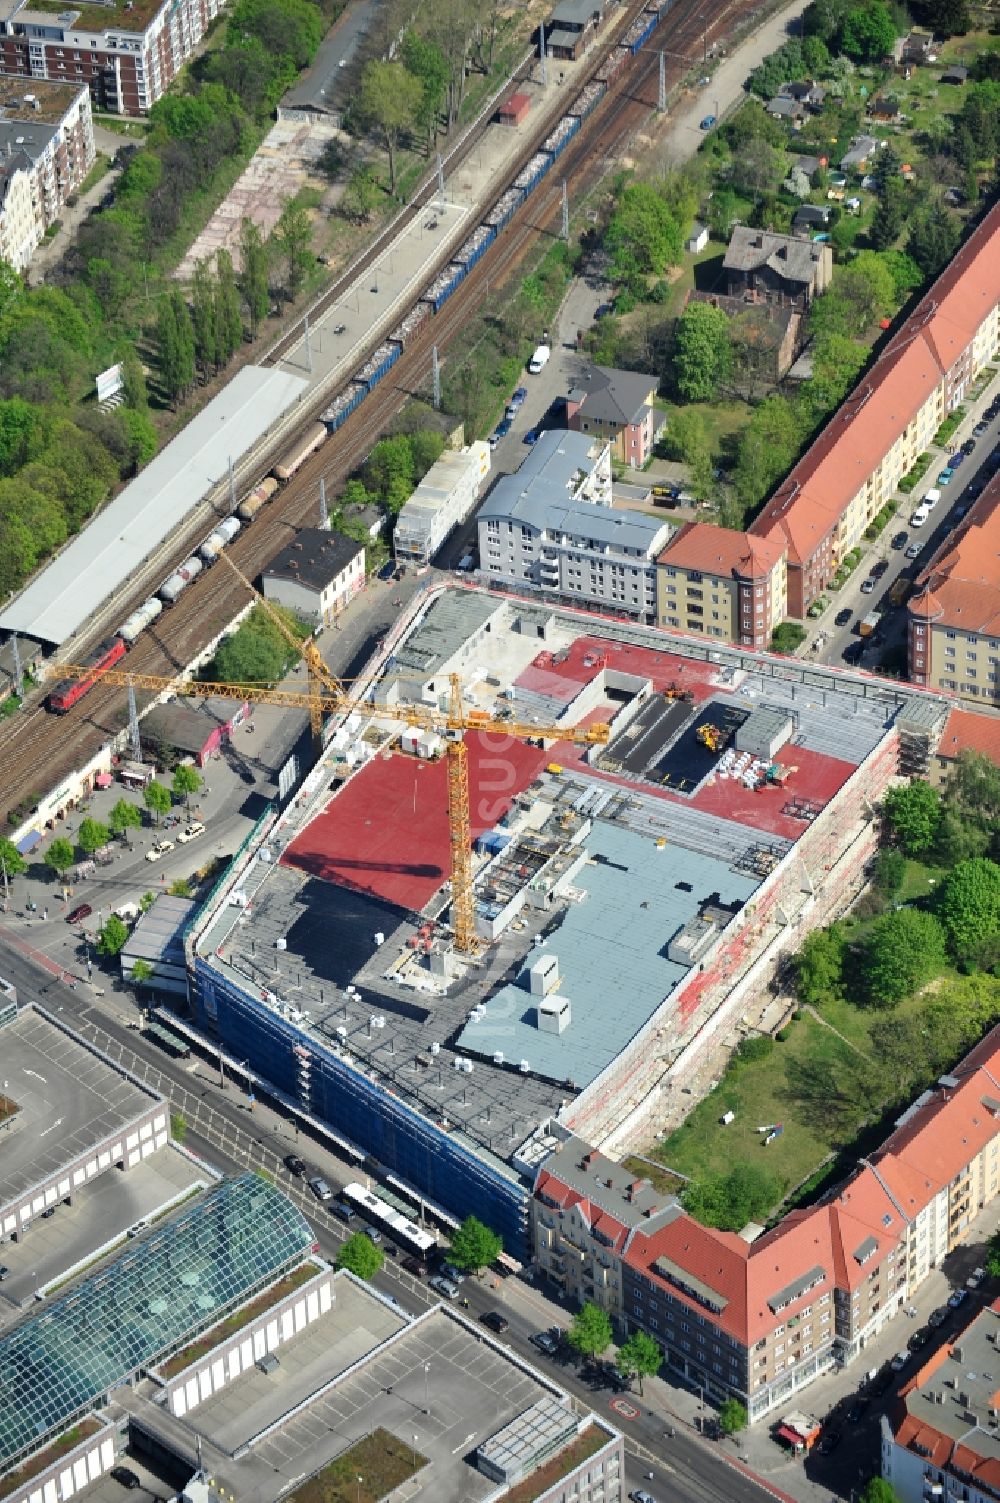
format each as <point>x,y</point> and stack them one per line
<point>838,644</point>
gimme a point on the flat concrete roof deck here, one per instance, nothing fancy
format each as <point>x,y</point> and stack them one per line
<point>69,1098</point>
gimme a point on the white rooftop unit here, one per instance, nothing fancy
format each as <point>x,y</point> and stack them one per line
<point>554,1014</point>
<point>543,975</point>
<point>764,733</point>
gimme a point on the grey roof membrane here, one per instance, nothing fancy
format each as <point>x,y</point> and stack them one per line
<point>114,546</point>
<point>612,950</point>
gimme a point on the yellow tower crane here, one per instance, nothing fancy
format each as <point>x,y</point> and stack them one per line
<point>329,696</point>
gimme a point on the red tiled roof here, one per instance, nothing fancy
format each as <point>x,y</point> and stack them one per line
<point>807,506</point>
<point>969,730</point>
<point>720,551</point>
<point>917,1433</point>
<point>961,585</point>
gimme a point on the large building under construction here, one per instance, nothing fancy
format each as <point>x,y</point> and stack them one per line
<point>630,897</point>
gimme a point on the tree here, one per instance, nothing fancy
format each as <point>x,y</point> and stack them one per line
<point>766,450</point>
<point>123,817</point>
<point>187,780</point>
<point>253,277</point>
<point>256,653</point>
<point>819,966</point>
<point>291,240</point>
<point>112,936</point>
<point>890,869</point>
<point>92,835</point>
<point>228,318</point>
<point>913,811</point>
<point>475,1246</point>
<point>724,212</point>
<point>993,1256</point>
<point>157,800</point>
<point>868,34</point>
<point>203,319</point>
<point>180,887</point>
<point>12,863</point>
<point>732,1416</point>
<point>703,355</point>
<point>291,29</point>
<point>687,440</point>
<point>590,1332</point>
<point>390,102</point>
<point>729,1201</point>
<point>427,62</point>
<point>877,1490</point>
<point>142,974</point>
<point>905,949</point>
<point>787,636</point>
<point>889,216</point>
<point>59,857</point>
<point>757,170</point>
<point>176,341</point>
<point>146,901</point>
<point>969,905</point>
<point>360,1255</point>
<point>361,194</point>
<point>933,239</point>
<point>639,1357</point>
<point>642,236</point>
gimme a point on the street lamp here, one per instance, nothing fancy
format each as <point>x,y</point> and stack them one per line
<point>360,1480</point>
<point>414,1453</point>
<point>427,1368</point>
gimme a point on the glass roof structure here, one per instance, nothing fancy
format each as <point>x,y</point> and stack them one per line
<point>169,1286</point>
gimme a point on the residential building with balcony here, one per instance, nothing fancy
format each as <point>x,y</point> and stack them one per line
<point>617,408</point>
<point>125,53</point>
<point>46,151</point>
<point>722,583</point>
<point>551,526</point>
<point>941,1436</point>
<point>851,471</point>
<point>583,1210</point>
<point>953,635</point>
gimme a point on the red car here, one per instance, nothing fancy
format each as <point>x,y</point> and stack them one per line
<point>83,911</point>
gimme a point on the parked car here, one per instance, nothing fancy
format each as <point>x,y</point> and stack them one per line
<point>445,1287</point>
<point>79,913</point>
<point>956,460</point>
<point>899,540</point>
<point>956,1300</point>
<point>494,439</point>
<point>160,848</point>
<point>125,1476</point>
<point>919,1338</point>
<point>899,1361</point>
<point>452,1271</point>
<point>981,429</point>
<point>531,437</point>
<point>503,427</point>
<point>867,585</point>
<point>913,551</point>
<point>373,1234</point>
<point>968,446</point>
<point>519,398</point>
<point>938,1317</point>
<point>642,1496</point>
<point>546,1341</point>
<point>494,1321</point>
<point>295,1165</point>
<point>417,1267</point>
<point>842,617</point>
<point>858,1409</point>
<point>879,568</point>
<point>975,1278</point>
<point>4,1272</point>
<point>320,1188</point>
<point>944,477</point>
<point>343,1210</point>
<point>708,122</point>
<point>191,832</point>
<point>387,571</point>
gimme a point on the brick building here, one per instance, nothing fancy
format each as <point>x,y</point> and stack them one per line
<point>759,1316</point>
<point>851,471</point>
<point>46,151</point>
<point>722,583</point>
<point>953,637</point>
<point>126,53</point>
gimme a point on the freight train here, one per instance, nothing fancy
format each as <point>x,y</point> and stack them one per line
<point>376,367</point>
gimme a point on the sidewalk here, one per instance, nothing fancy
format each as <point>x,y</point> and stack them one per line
<point>51,252</point>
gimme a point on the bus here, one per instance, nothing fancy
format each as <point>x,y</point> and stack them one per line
<point>415,1239</point>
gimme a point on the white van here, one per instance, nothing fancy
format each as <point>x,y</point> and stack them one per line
<point>539,359</point>
<point>931,500</point>
<point>919,517</point>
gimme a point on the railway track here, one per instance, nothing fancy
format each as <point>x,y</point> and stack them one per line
<point>38,749</point>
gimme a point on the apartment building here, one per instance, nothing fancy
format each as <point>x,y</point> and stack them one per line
<point>551,526</point>
<point>851,471</point>
<point>125,53</point>
<point>953,637</point>
<point>616,407</point>
<point>584,1208</point>
<point>941,1437</point>
<point>722,583</point>
<point>968,732</point>
<point>317,574</point>
<point>758,1316</point>
<point>46,151</point>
